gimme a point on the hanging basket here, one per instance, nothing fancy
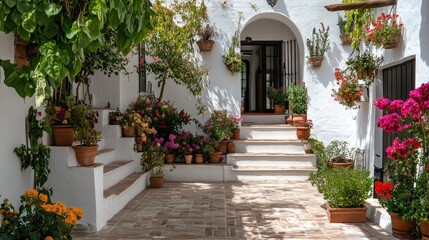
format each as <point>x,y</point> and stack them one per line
<point>393,42</point>
<point>315,61</point>
<point>205,45</point>
<point>345,39</point>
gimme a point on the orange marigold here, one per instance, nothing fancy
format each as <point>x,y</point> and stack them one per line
<point>77,211</point>
<point>43,197</point>
<point>49,238</point>
<point>31,193</point>
<point>71,218</point>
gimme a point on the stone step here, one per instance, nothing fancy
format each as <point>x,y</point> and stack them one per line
<point>269,146</point>
<point>122,185</point>
<point>263,118</point>
<point>273,173</point>
<point>116,171</point>
<point>271,159</point>
<point>268,131</point>
<point>105,156</point>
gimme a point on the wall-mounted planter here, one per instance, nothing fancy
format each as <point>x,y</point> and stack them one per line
<point>346,39</point>
<point>394,41</point>
<point>205,45</point>
<point>315,61</point>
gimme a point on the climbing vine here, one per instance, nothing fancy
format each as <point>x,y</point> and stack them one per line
<point>356,21</point>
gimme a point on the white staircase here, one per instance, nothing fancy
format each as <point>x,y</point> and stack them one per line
<point>104,188</point>
<point>269,150</point>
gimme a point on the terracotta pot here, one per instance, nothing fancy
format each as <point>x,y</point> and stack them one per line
<point>63,135</point>
<point>188,159</point>
<point>303,133</point>
<point>205,45</point>
<point>394,42</point>
<point>345,39</point>
<point>424,230</point>
<point>199,158</point>
<point>223,147</point>
<point>236,133</point>
<point>347,215</point>
<point>297,119</point>
<point>128,132</point>
<point>315,61</point>
<point>216,157</point>
<point>169,158</point>
<point>279,109</point>
<point>288,119</point>
<point>231,147</point>
<point>139,144</point>
<point>156,182</point>
<point>340,165</point>
<point>85,155</point>
<point>403,229</point>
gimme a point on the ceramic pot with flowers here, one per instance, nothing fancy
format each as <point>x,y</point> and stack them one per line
<point>188,159</point>
<point>199,158</point>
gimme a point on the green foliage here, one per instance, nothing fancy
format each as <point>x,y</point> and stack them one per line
<point>152,159</point>
<point>297,95</point>
<point>219,126</point>
<point>319,42</point>
<point>37,218</point>
<point>232,59</point>
<point>356,21</point>
<point>63,32</point>
<point>171,45</point>
<point>365,62</point>
<point>84,119</point>
<point>345,187</point>
<point>278,96</point>
<point>339,151</point>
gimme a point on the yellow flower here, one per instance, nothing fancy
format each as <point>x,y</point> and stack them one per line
<point>43,197</point>
<point>31,193</point>
<point>77,211</point>
<point>49,238</point>
<point>71,218</point>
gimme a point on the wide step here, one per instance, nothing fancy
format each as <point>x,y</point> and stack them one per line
<point>268,131</point>
<point>122,185</point>
<point>115,171</point>
<point>272,173</point>
<point>263,118</point>
<point>269,146</point>
<point>271,159</point>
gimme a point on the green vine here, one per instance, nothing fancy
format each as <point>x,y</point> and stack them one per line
<point>232,59</point>
<point>62,32</point>
<point>356,21</point>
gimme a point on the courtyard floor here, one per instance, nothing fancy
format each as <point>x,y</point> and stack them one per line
<point>232,210</point>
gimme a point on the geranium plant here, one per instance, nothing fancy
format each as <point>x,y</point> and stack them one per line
<point>171,143</point>
<point>297,96</point>
<point>219,126</point>
<point>37,218</point>
<point>384,29</point>
<point>349,91</point>
<point>365,66</point>
<point>237,121</point>
<point>277,95</point>
<point>408,156</point>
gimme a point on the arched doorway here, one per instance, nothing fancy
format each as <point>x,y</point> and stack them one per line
<point>272,46</point>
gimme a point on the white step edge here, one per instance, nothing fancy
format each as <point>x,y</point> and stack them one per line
<point>269,146</point>
<point>114,176</point>
<point>105,156</point>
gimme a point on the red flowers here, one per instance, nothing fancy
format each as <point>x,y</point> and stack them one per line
<point>349,91</point>
<point>383,189</point>
<point>383,29</point>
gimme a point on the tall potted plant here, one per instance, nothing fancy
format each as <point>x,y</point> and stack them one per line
<point>297,96</point>
<point>278,97</point>
<point>318,45</point>
<point>152,160</point>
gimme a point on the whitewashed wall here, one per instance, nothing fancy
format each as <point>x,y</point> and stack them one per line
<point>13,110</point>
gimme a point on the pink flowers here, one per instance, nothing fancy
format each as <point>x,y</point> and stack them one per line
<point>170,144</point>
<point>390,123</point>
<point>400,150</point>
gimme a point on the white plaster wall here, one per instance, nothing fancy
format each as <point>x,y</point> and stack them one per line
<point>105,90</point>
<point>13,110</point>
<point>129,84</point>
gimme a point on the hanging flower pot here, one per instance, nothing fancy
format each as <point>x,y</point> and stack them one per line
<point>393,42</point>
<point>205,45</point>
<point>345,39</point>
<point>315,61</point>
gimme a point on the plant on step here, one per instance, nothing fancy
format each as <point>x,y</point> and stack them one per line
<point>356,20</point>
<point>297,96</point>
<point>219,126</point>
<point>38,218</point>
<point>63,33</point>
<point>349,91</point>
<point>339,152</point>
<point>345,187</point>
<point>115,116</point>
<point>59,112</point>
<point>84,119</point>
<point>277,95</point>
<point>321,163</point>
<point>36,155</point>
<point>237,121</point>
<point>152,159</point>
<point>171,46</point>
<point>319,42</point>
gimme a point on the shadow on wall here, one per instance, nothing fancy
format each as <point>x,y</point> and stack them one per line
<point>424,32</point>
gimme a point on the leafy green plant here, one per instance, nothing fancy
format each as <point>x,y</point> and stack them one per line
<point>171,45</point>
<point>297,96</point>
<point>345,187</point>
<point>219,126</point>
<point>62,32</point>
<point>277,95</point>
<point>356,20</point>
<point>84,119</point>
<point>365,62</point>
<point>152,159</point>
<point>37,218</point>
<point>232,59</point>
<point>319,42</point>
<point>339,152</point>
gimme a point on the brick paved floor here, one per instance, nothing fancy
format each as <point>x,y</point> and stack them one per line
<point>272,210</point>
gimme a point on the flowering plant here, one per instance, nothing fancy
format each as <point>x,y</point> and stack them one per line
<point>59,113</point>
<point>383,191</point>
<point>365,66</point>
<point>187,143</point>
<point>349,91</point>
<point>385,28</point>
<point>37,218</point>
<point>236,120</point>
<point>200,141</point>
<point>171,145</point>
<point>115,116</point>
<point>278,96</point>
<point>408,156</point>
<point>297,95</point>
<point>152,159</point>
<point>219,126</point>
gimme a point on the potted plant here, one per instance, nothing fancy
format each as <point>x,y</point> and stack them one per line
<point>385,31</point>
<point>129,122</point>
<point>85,118</point>
<point>206,34</point>
<point>346,190</point>
<point>344,36</point>
<point>339,154</point>
<point>365,66</point>
<point>318,45</point>
<point>349,92</point>
<point>152,160</point>
<point>232,59</point>
<point>278,98</point>
<point>171,147</point>
<point>210,150</point>
<point>115,117</point>
<point>236,130</point>
<point>199,142</point>
<point>186,146</point>
<point>58,117</point>
<point>297,96</point>
<point>303,131</point>
<point>219,128</point>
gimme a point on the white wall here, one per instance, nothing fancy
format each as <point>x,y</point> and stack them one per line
<point>13,110</point>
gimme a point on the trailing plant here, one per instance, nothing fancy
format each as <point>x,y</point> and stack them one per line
<point>349,91</point>
<point>62,32</point>
<point>232,59</point>
<point>356,20</point>
<point>37,218</point>
<point>171,46</point>
<point>297,96</point>
<point>367,63</point>
<point>36,155</point>
<point>319,42</point>
<point>152,159</point>
<point>208,32</point>
<point>383,29</point>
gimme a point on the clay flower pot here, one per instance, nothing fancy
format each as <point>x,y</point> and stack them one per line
<point>85,155</point>
<point>303,133</point>
<point>188,159</point>
<point>205,45</point>
<point>279,109</point>
<point>156,182</point>
<point>236,133</point>
<point>128,132</point>
<point>347,215</point>
<point>169,158</point>
<point>63,135</point>
<point>215,157</point>
<point>315,61</point>
<point>402,229</point>
<point>199,158</point>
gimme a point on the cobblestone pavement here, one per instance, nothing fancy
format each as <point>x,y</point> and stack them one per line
<point>255,210</point>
